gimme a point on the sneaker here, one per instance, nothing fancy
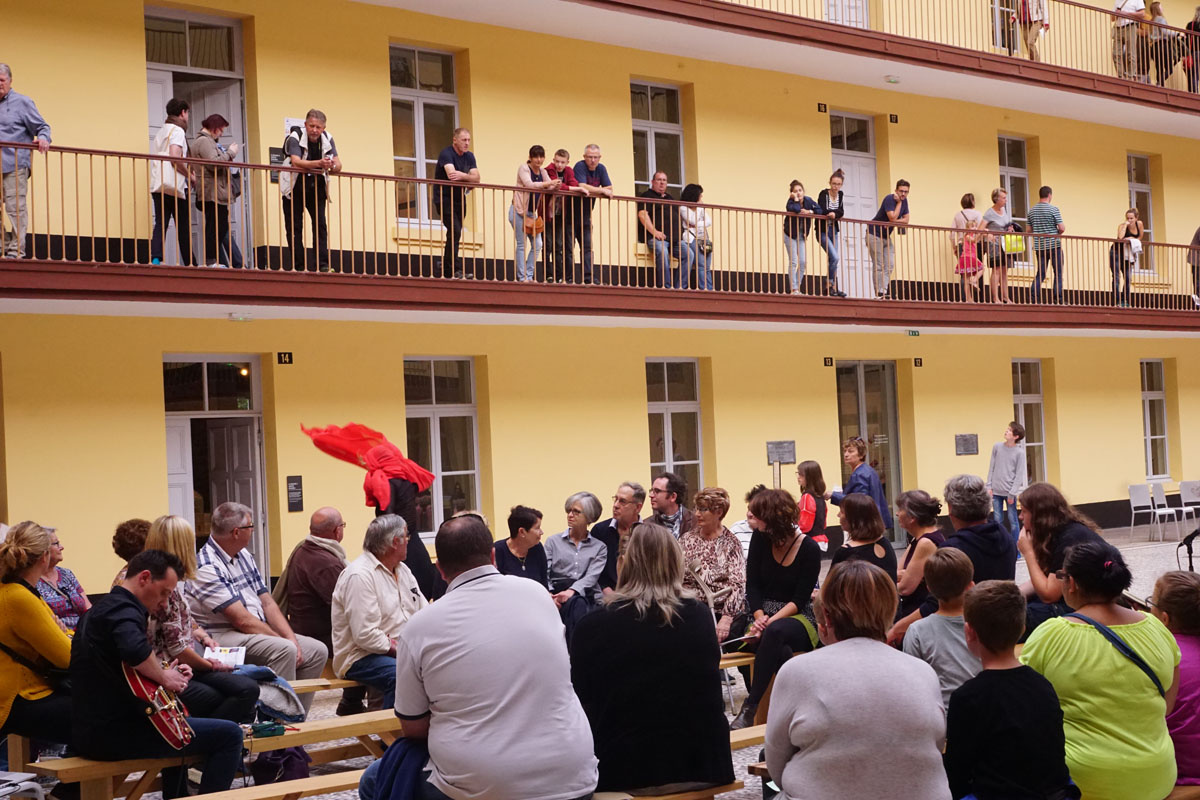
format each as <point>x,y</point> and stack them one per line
<point>458,273</point>
<point>156,261</point>
<point>218,266</point>
<point>796,291</point>
<point>838,293</point>
<point>1196,299</point>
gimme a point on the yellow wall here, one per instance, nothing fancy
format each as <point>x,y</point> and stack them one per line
<point>561,409</point>
<point>743,119</point>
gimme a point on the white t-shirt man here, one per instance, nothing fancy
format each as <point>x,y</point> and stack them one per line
<point>164,177</point>
<point>1128,7</point>
<point>488,662</point>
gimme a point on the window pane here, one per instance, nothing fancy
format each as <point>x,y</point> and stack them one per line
<point>166,42</point>
<point>639,101</point>
<point>837,132</point>
<point>439,128</point>
<point>404,68</point>
<point>681,381</point>
<point>668,156</point>
<point>406,193</point>
<point>1035,462</point>
<point>1158,457</point>
<point>1139,170</point>
<point>420,450</point>
<point>685,436</point>
<point>858,135</point>
<point>641,157</point>
<point>1031,377</point>
<point>656,389</point>
<point>458,444</point>
<point>1152,377</point>
<point>229,387</point>
<point>1016,153</point>
<point>183,386</point>
<point>1141,201</point>
<point>458,494</point>
<point>418,383</point>
<point>452,382</point>
<point>404,131</point>
<point>1018,196</point>
<point>435,72</point>
<point>1016,377</point>
<point>1033,423</point>
<point>664,105</point>
<point>1158,417</point>
<point>658,450</point>
<point>691,476</point>
<point>1003,152</point>
<point>211,46</point>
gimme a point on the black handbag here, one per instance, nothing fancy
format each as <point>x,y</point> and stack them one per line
<point>58,679</point>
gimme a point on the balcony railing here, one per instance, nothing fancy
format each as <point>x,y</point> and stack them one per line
<point>95,207</point>
<point>1079,37</point>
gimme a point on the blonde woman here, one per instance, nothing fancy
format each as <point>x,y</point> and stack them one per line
<point>671,704</point>
<point>214,691</point>
<point>31,640</point>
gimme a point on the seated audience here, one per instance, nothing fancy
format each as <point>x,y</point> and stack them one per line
<point>781,574</point>
<point>31,641</point>
<point>399,485</point>
<point>811,501</point>
<point>863,480</point>
<point>1049,527</point>
<point>938,640</point>
<point>1176,602</point>
<point>614,531</point>
<point>213,691</point>
<point>129,540</point>
<point>1115,692</point>
<point>713,555</point>
<point>917,512</point>
<point>859,518</point>
<point>375,596</point>
<point>660,728</point>
<point>230,600</point>
<point>114,634</point>
<point>522,553</point>
<point>483,664</point>
<point>990,548</point>
<point>575,561</point>
<point>60,590</point>
<point>1004,728</point>
<point>856,718</point>
<point>668,501</point>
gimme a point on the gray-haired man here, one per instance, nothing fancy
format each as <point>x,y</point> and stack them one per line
<point>19,122</point>
<point>626,512</point>
<point>375,596</point>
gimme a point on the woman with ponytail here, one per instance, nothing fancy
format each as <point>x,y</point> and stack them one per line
<point>31,641</point>
<point>1116,673</point>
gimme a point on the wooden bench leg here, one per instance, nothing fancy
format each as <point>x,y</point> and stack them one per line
<point>141,785</point>
<point>96,789</point>
<point>18,753</point>
<point>372,746</point>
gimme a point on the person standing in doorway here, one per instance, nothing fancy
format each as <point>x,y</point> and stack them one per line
<point>314,152</point>
<point>169,180</point>
<point>218,189</point>
<point>863,480</point>
<point>1008,477</point>
<point>893,209</point>
<point>19,122</point>
<point>455,163</point>
<point>833,207</point>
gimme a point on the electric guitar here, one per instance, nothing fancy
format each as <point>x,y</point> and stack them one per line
<point>167,712</point>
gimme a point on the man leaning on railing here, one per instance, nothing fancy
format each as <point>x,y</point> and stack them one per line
<point>19,122</point>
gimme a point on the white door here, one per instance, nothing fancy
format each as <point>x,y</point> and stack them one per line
<point>856,158</point>
<point>847,12</point>
<point>233,473</point>
<point>180,493</point>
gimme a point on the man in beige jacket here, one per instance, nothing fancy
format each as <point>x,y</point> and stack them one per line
<point>1034,18</point>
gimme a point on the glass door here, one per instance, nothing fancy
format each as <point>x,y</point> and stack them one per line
<point>866,393</point>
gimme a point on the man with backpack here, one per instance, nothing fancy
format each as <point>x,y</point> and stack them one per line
<point>313,151</point>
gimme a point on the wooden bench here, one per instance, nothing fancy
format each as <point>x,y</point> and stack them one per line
<point>294,790</point>
<point>310,685</point>
<point>1185,793</point>
<point>747,737</point>
<point>731,660</point>
<point>104,780</point>
<point>699,794</point>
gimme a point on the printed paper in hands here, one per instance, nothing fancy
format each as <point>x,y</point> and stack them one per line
<point>229,656</point>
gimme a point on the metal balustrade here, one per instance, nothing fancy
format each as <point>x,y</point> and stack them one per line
<point>90,206</point>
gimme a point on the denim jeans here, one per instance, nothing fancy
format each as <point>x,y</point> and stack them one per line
<point>883,261</point>
<point>525,261</point>
<point>663,250</point>
<point>582,228</point>
<point>829,240</point>
<point>378,671</point>
<point>368,786</point>
<point>797,261</point>
<point>704,278</point>
<point>1049,257</point>
<point>1004,511</point>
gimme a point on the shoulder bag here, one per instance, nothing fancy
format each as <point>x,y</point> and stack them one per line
<point>1123,648</point>
<point>534,224</point>
<point>58,679</point>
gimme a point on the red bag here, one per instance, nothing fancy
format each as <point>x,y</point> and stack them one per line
<point>1187,63</point>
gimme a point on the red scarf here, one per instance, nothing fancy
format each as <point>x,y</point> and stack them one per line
<point>385,462</point>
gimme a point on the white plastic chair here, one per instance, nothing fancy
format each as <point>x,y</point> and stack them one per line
<point>1159,497</point>
<point>1189,495</point>
<point>1181,513</point>
<point>1141,503</point>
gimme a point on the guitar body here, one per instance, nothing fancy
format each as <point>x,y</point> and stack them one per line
<point>167,712</point>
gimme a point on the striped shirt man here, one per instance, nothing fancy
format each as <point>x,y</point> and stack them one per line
<point>1045,218</point>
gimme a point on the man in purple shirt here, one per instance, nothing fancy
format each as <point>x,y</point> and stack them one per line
<point>19,122</point>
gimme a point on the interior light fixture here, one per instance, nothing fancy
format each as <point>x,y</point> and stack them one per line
<point>244,372</point>
<point>892,78</point>
<point>239,316</point>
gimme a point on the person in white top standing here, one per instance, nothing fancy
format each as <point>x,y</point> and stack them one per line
<point>484,667</point>
<point>1128,56</point>
<point>373,599</point>
<point>169,181</point>
<point>1008,477</point>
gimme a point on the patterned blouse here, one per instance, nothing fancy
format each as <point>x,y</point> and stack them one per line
<point>721,564</point>
<point>170,630</point>
<point>68,601</point>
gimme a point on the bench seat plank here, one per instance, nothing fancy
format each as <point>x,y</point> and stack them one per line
<point>699,794</point>
<point>747,737</point>
<point>304,787</point>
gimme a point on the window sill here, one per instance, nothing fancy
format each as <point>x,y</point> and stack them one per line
<point>430,233</point>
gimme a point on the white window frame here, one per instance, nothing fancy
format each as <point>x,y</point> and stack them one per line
<point>418,97</point>
<point>870,134</point>
<point>1020,399</point>
<point>1007,173</point>
<point>1145,264</point>
<point>1001,13</point>
<point>435,412</point>
<point>1147,397</point>
<point>666,409</point>
<point>253,360</point>
<point>650,128</point>
<point>177,15</point>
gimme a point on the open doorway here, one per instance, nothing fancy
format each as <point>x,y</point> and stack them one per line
<point>867,409</point>
<point>214,441</point>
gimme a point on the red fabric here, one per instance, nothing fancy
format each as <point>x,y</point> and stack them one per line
<point>350,443</point>
<point>385,462</point>
<point>808,512</point>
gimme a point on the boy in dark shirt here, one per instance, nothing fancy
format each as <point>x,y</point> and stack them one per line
<point>1004,728</point>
